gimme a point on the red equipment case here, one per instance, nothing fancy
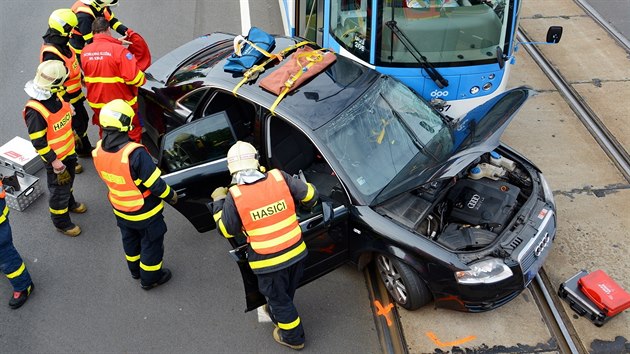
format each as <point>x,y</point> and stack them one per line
<point>604,292</point>
<point>574,293</point>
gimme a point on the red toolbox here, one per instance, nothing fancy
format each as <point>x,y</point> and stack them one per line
<point>604,292</point>
<point>600,284</point>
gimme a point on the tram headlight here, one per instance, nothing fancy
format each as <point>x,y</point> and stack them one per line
<point>485,272</point>
<point>491,76</point>
<point>487,86</point>
<point>474,90</point>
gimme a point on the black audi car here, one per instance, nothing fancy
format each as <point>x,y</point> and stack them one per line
<point>447,212</point>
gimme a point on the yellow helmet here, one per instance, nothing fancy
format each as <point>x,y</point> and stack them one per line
<point>116,115</point>
<point>242,156</point>
<point>99,4</point>
<point>63,21</point>
<point>50,75</point>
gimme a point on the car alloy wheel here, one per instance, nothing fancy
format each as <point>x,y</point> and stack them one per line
<point>403,283</point>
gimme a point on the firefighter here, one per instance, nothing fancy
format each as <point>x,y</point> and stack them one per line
<point>55,47</point>
<point>136,192</point>
<point>262,206</point>
<point>11,264</point>
<point>87,11</point>
<point>111,72</point>
<point>49,122</point>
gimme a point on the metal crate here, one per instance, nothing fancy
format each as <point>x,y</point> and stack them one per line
<point>30,189</point>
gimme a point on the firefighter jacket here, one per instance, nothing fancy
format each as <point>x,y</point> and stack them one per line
<point>49,124</point>
<point>4,209</point>
<point>136,189</point>
<point>110,72</point>
<point>82,34</point>
<point>72,84</point>
<point>265,212</point>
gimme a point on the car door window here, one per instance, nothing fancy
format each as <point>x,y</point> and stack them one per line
<point>203,140</point>
<point>188,104</point>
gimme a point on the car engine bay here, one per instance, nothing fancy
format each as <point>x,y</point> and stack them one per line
<point>467,212</point>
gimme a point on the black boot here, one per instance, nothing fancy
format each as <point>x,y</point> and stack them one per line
<point>83,147</point>
<point>166,276</point>
<point>19,297</point>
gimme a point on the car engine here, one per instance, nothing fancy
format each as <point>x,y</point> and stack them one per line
<point>468,212</point>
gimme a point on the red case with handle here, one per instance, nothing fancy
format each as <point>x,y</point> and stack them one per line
<point>604,292</point>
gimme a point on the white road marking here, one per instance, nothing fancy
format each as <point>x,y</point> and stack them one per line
<point>246,22</point>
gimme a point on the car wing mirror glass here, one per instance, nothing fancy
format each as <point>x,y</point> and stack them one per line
<point>554,34</point>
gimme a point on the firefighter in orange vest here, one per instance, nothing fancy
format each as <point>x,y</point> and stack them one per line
<point>55,47</point>
<point>136,192</point>
<point>11,264</point>
<point>49,123</point>
<point>262,206</point>
<point>111,72</point>
<point>87,11</point>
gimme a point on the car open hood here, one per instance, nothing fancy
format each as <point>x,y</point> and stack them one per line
<point>476,133</point>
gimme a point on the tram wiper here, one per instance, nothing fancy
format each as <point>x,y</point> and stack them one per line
<point>439,80</point>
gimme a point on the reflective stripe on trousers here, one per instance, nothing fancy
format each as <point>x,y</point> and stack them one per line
<point>11,264</point>
<point>279,288</point>
<point>144,249</point>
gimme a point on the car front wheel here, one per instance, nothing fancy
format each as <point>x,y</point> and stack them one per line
<point>403,283</point>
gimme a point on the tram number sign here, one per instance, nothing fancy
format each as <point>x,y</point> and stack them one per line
<point>443,108</point>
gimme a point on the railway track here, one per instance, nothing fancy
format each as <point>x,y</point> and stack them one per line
<point>546,299</point>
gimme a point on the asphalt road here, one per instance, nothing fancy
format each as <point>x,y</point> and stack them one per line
<point>85,300</point>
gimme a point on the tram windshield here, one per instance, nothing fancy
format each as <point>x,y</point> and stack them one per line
<point>445,32</point>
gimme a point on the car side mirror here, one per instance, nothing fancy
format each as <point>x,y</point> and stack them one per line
<point>554,33</point>
<point>329,213</point>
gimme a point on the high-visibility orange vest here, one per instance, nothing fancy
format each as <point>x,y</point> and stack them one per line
<point>59,132</point>
<point>2,193</point>
<point>114,170</point>
<point>267,212</point>
<point>73,82</point>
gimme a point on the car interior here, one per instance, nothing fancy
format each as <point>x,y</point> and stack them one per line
<point>292,152</point>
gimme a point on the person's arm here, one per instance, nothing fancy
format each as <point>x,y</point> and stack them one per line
<point>37,129</point>
<point>301,191</point>
<point>85,26</point>
<point>143,168</point>
<point>226,216</point>
<point>129,70</point>
<point>115,23</point>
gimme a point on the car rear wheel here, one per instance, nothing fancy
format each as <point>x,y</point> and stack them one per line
<point>403,283</point>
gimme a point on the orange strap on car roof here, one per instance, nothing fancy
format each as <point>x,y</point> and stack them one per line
<point>253,73</point>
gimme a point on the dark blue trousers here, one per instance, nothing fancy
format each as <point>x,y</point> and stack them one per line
<point>279,288</point>
<point>11,263</point>
<point>61,198</point>
<point>144,248</point>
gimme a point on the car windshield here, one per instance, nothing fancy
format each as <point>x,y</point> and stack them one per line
<point>387,131</point>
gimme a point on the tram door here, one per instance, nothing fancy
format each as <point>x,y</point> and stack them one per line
<point>309,21</point>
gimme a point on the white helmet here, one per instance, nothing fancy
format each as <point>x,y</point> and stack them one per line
<point>242,156</point>
<point>50,75</point>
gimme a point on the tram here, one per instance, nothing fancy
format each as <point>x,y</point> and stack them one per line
<point>457,54</point>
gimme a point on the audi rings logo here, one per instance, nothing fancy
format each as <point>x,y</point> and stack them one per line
<point>473,201</point>
<point>541,246</point>
<point>437,94</point>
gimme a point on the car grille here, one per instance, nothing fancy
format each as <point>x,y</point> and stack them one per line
<point>494,304</point>
<point>537,246</point>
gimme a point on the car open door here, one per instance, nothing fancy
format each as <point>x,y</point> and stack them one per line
<point>193,161</point>
<point>324,230</point>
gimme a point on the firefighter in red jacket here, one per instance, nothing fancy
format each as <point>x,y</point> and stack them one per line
<point>55,47</point>
<point>136,192</point>
<point>49,123</point>
<point>261,205</point>
<point>11,264</point>
<point>111,72</point>
<point>87,11</point>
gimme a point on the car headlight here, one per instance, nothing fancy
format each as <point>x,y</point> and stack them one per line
<point>547,190</point>
<point>484,272</point>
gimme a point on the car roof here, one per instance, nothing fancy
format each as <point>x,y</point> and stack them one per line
<point>314,103</point>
